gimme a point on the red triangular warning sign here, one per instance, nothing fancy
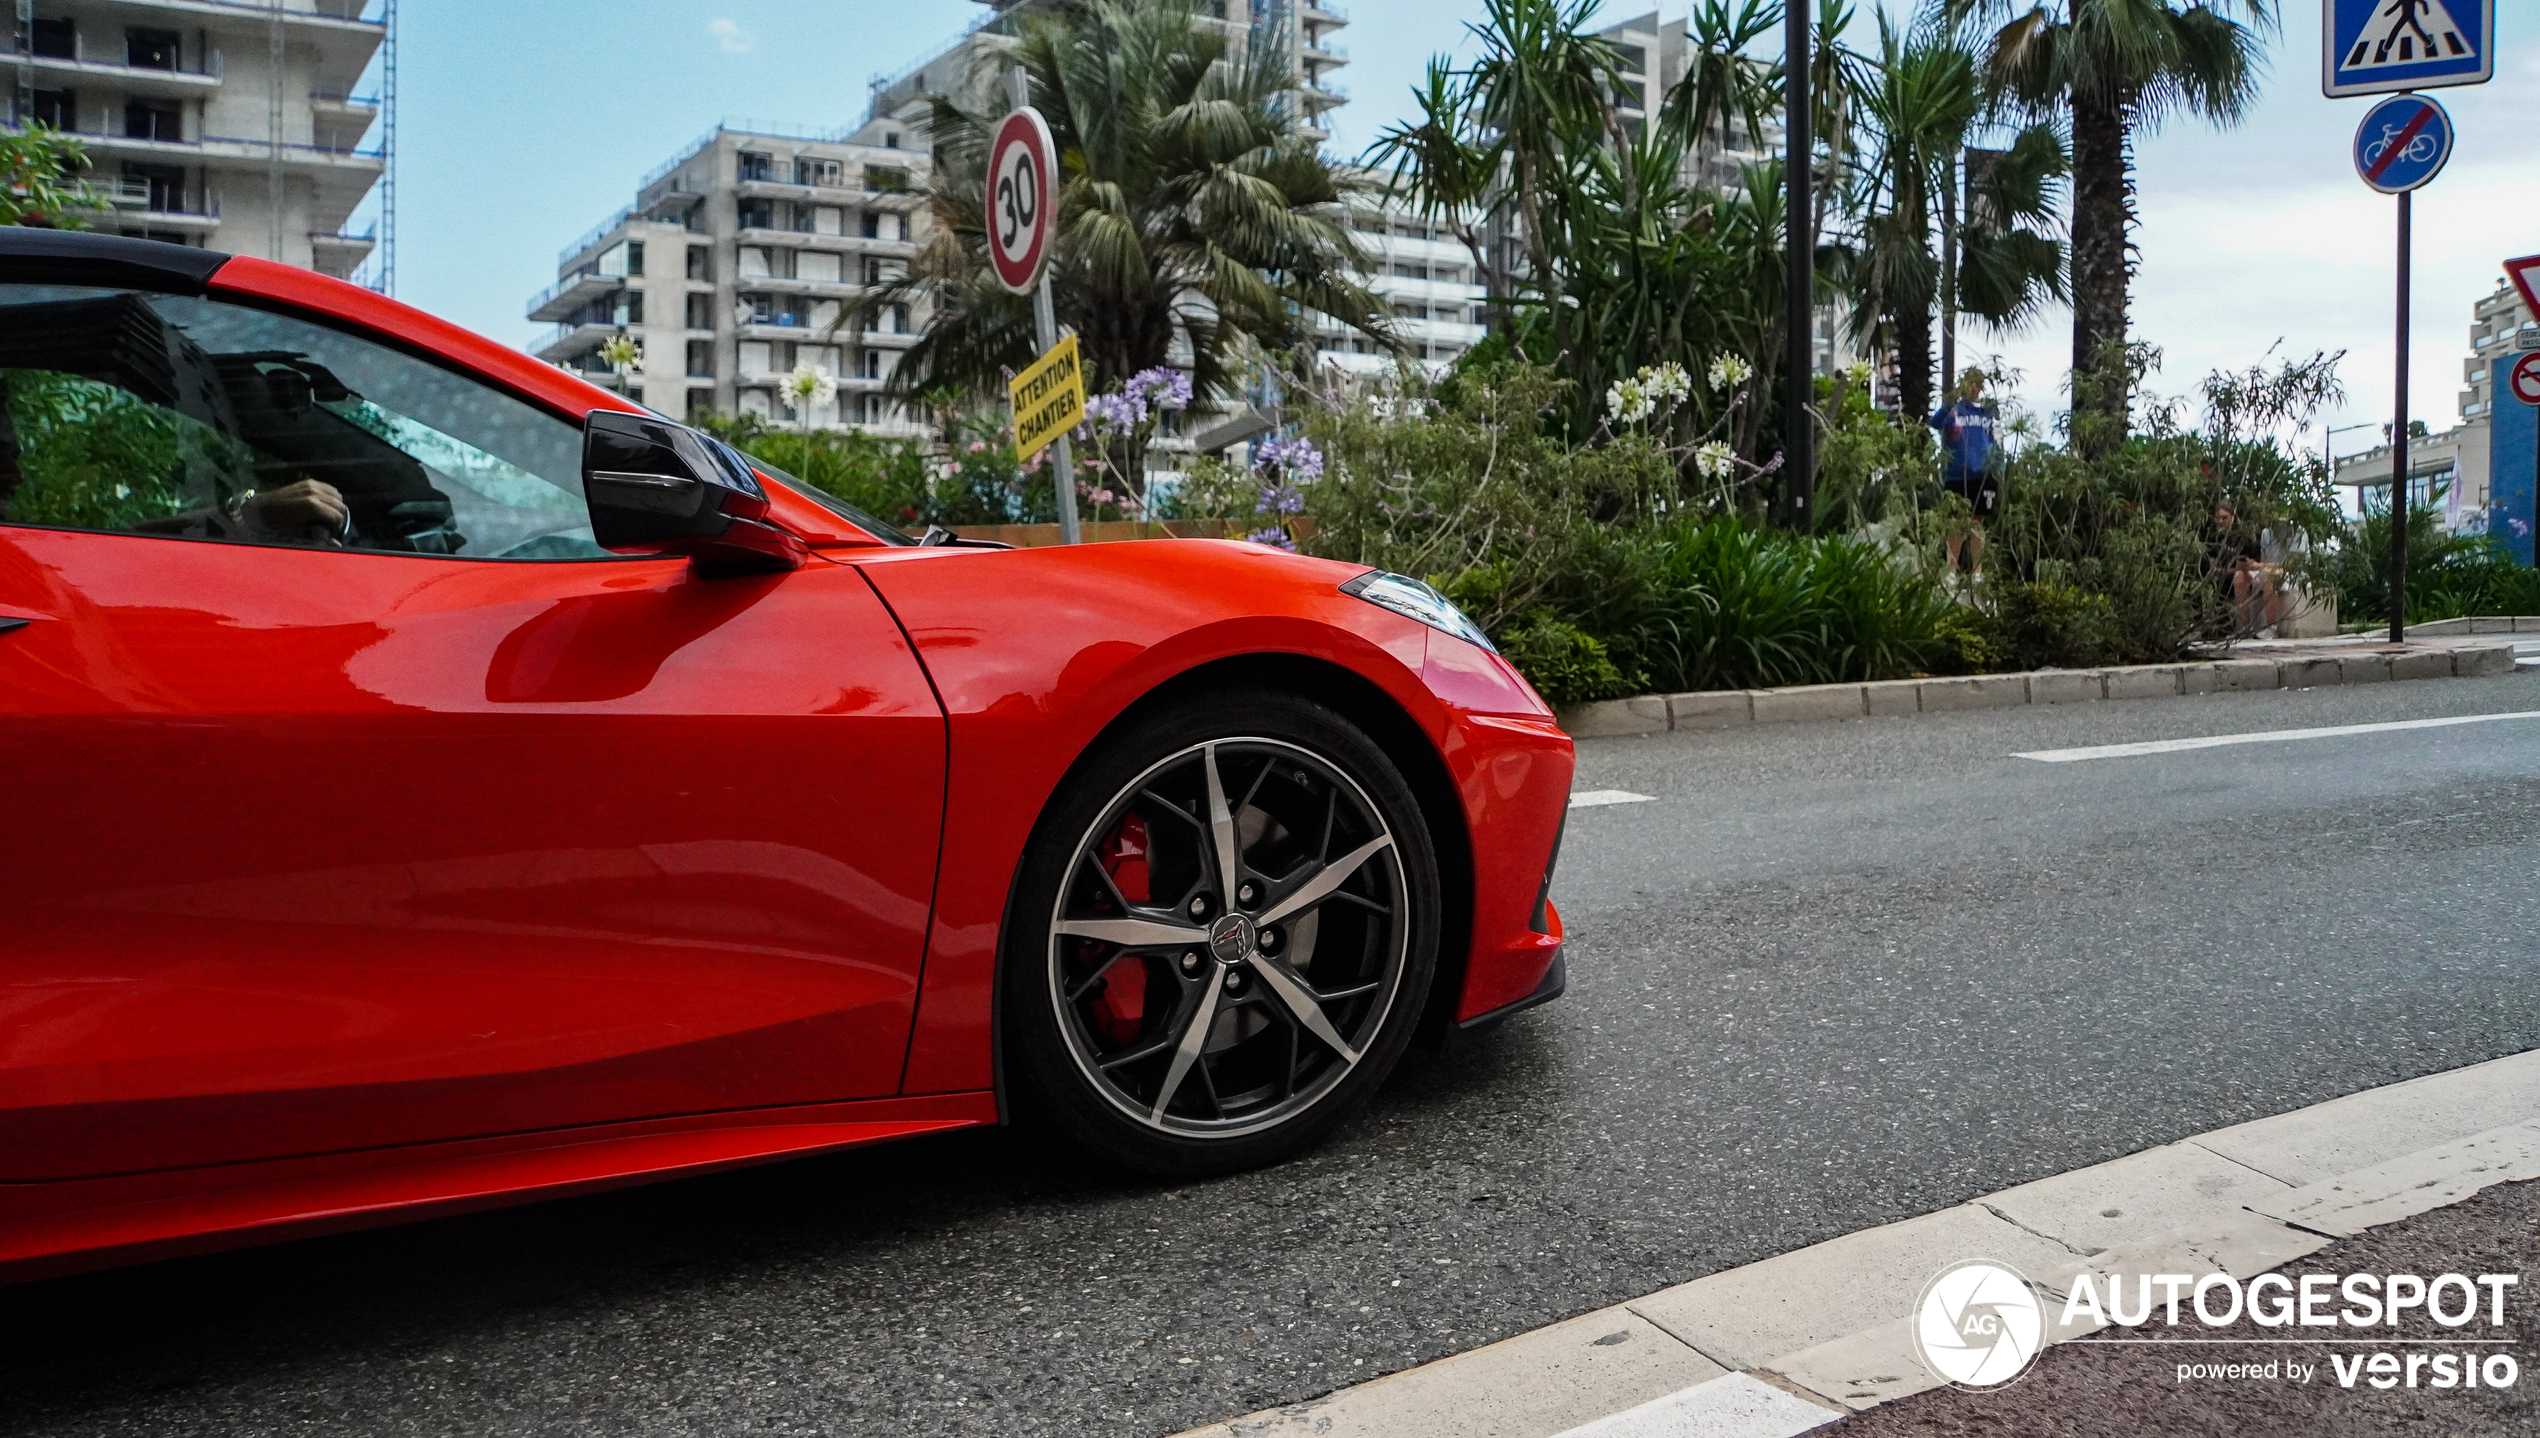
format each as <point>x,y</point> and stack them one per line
<point>2525,273</point>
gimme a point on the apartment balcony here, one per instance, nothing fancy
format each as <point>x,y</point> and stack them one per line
<point>828,244</point>
<point>131,199</point>
<point>572,293</point>
<point>1325,52</point>
<point>343,244</point>
<point>331,14</point>
<point>785,327</point>
<point>321,160</point>
<point>345,109</point>
<point>128,79</point>
<point>819,289</point>
<point>1323,95</point>
<point>567,342</point>
<point>1325,11</point>
<point>886,339</point>
<point>850,195</point>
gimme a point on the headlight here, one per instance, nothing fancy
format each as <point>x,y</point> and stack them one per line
<point>1412,599</point>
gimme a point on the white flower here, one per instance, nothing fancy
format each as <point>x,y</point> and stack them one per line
<point>1380,405</point>
<point>1668,382</point>
<point>1729,371</point>
<point>622,353</point>
<point>1859,373</point>
<point>1713,459</point>
<point>810,386</point>
<point>1628,400</point>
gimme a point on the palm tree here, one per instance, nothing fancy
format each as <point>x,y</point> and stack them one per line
<point>1194,216</point>
<point>2111,67</point>
<point>1998,261</point>
<point>1447,166</point>
<point>1920,107</point>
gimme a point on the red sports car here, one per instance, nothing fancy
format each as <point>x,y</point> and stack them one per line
<point>442,783</point>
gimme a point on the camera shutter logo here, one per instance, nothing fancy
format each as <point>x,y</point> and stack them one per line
<point>1978,1325</point>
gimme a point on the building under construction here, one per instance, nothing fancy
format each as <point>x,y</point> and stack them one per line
<point>235,125</point>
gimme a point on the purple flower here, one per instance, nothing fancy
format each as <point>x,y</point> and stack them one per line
<point>1295,459</point>
<point>1162,386</point>
<point>1117,412</point>
<point>1275,538</point>
<point>1279,499</point>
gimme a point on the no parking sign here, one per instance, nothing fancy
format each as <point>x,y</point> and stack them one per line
<point>2524,379</point>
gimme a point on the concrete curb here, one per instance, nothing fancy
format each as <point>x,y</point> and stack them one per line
<point>1737,708</point>
<point>2482,624</point>
<point>1797,1341</point>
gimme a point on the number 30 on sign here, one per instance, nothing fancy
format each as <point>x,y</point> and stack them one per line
<point>1022,199</point>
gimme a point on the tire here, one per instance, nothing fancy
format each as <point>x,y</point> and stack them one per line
<point>1151,1024</point>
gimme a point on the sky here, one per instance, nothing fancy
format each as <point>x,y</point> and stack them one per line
<point>523,124</point>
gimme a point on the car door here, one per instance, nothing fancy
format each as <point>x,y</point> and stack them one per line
<point>426,821</point>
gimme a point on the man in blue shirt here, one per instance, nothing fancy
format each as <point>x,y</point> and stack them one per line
<point>1970,465</point>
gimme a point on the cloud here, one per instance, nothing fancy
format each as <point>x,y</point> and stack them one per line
<point>729,34</point>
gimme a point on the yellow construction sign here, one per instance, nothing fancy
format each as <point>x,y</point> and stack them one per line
<point>1049,398</point>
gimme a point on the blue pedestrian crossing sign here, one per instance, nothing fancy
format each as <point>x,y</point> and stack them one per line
<point>2369,47</point>
<point>2402,143</point>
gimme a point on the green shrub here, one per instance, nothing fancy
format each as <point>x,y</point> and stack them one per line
<point>2060,625</point>
<point>975,481</point>
<point>2449,575</point>
<point>1966,642</point>
<point>1733,606</point>
<point>1564,663</point>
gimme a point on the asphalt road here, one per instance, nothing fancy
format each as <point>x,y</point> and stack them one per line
<point>1833,975</point>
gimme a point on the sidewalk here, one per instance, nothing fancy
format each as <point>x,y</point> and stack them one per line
<point>2097,1386</point>
<point>1794,1343</point>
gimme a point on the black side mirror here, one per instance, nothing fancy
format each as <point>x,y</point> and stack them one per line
<point>664,488</point>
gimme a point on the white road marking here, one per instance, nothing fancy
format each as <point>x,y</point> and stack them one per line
<point>2271,736</point>
<point>1598,798</point>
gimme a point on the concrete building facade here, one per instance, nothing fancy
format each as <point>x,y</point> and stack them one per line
<point>1426,277</point>
<point>748,254</point>
<point>1302,30</point>
<point>2450,469</point>
<point>222,124</point>
<point>1655,55</point>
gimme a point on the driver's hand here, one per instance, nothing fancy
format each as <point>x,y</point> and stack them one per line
<point>302,509</point>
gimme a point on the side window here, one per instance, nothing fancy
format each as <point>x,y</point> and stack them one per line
<point>167,415</point>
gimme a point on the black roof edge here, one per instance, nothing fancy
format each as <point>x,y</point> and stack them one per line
<point>77,257</point>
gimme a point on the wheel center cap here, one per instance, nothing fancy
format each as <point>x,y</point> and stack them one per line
<point>1230,938</point>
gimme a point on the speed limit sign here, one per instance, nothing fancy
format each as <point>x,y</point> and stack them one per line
<point>1021,199</point>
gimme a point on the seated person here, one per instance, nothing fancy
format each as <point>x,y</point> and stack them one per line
<point>305,511</point>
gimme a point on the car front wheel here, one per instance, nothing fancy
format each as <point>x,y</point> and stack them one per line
<point>1224,936</point>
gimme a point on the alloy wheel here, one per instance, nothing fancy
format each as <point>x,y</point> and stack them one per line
<point>1229,937</point>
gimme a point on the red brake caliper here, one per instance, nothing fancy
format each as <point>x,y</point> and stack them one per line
<point>1120,1009</point>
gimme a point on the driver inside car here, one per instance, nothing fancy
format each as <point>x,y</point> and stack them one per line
<point>305,511</point>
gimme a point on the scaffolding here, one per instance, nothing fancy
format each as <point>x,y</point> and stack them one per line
<point>384,278</point>
<point>273,130</point>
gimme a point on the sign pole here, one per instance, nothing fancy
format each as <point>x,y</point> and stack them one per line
<point>1799,313</point>
<point>1045,325</point>
<point>2399,445</point>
